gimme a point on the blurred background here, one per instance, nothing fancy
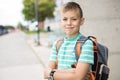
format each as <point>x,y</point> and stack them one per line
<point>28,29</point>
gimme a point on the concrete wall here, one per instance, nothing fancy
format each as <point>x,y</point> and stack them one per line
<point>102,19</point>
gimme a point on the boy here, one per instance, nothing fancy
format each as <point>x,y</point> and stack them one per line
<point>72,19</point>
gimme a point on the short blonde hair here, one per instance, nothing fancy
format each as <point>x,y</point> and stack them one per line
<point>72,6</point>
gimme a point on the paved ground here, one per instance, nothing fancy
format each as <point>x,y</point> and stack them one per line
<point>17,60</point>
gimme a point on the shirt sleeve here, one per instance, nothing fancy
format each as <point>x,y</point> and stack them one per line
<point>87,53</point>
<point>53,54</point>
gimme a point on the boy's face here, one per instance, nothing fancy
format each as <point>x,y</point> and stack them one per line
<point>71,22</point>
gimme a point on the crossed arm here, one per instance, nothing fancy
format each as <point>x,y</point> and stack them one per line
<point>77,73</point>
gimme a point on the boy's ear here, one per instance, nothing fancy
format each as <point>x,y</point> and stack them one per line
<point>82,21</point>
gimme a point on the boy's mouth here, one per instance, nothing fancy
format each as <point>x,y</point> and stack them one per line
<point>69,28</point>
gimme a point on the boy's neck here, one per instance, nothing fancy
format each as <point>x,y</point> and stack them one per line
<point>72,36</point>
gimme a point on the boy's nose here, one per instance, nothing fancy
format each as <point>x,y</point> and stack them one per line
<point>69,22</point>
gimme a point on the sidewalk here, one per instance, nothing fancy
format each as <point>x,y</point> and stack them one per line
<point>42,52</point>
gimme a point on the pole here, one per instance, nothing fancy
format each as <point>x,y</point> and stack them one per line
<point>36,17</point>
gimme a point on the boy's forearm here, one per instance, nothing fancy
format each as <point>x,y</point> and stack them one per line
<point>65,74</point>
<point>60,74</point>
<point>65,71</point>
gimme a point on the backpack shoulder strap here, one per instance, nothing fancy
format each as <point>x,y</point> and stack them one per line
<point>78,46</point>
<point>80,43</point>
<point>95,46</point>
<point>59,43</point>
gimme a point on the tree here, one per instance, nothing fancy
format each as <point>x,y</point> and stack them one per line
<point>9,27</point>
<point>45,10</point>
<point>20,26</point>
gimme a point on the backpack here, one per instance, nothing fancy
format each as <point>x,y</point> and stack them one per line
<point>100,69</point>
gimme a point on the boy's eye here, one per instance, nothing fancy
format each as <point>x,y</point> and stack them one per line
<point>74,19</point>
<point>64,19</point>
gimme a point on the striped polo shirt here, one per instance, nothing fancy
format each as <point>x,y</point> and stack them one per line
<point>66,53</point>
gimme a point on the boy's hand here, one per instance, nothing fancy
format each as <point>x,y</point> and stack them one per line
<point>47,73</point>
